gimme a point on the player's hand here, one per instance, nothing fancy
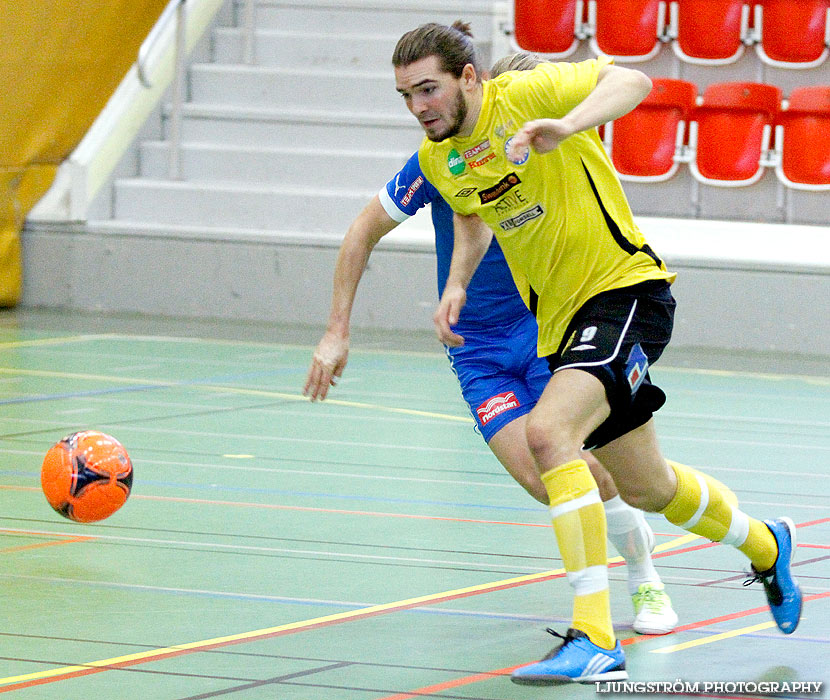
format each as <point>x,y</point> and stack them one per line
<point>447,313</point>
<point>542,135</point>
<point>328,362</point>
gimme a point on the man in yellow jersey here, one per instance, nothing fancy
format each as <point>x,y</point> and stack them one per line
<point>520,153</point>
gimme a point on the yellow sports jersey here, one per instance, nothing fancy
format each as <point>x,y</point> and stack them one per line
<point>561,218</point>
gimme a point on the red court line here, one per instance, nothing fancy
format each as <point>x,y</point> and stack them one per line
<point>206,647</point>
<point>486,675</point>
<point>37,545</point>
<point>624,642</point>
<point>276,506</point>
<point>173,652</point>
<point>814,522</point>
<point>447,685</point>
<point>438,599</point>
<point>32,533</point>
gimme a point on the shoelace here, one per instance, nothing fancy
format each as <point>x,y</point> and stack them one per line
<point>650,599</point>
<point>566,639</point>
<point>752,577</point>
<point>556,634</point>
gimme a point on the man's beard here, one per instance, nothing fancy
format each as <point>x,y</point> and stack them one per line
<point>459,116</point>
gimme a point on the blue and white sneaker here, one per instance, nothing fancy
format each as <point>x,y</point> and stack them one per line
<point>576,660</point>
<point>783,592</point>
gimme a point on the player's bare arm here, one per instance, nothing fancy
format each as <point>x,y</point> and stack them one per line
<point>329,359</point>
<point>617,92</point>
<point>472,238</point>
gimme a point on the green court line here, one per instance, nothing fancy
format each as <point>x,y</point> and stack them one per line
<point>229,390</point>
<point>72,671</point>
<point>60,340</point>
<point>771,376</point>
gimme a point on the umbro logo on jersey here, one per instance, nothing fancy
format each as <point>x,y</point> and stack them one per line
<point>466,192</point>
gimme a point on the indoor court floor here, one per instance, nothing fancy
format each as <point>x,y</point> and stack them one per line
<point>365,548</point>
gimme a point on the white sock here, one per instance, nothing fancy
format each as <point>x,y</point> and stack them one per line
<point>631,535</point>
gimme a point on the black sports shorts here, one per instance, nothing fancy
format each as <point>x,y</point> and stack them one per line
<point>616,336</point>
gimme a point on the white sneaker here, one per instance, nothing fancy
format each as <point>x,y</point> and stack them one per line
<point>653,613</point>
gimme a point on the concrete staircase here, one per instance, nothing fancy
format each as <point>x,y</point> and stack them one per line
<point>278,157</point>
<point>297,142</point>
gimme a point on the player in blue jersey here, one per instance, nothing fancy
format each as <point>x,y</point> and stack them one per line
<point>500,375</point>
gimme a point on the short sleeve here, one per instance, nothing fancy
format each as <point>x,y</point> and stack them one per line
<point>554,89</point>
<point>407,192</point>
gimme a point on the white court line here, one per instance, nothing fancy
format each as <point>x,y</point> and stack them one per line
<point>507,485</point>
<point>768,420</point>
<point>256,597</point>
<point>665,437</point>
<point>439,352</point>
<point>310,472</point>
<point>320,412</point>
<point>235,438</point>
<point>777,472</point>
<point>233,548</point>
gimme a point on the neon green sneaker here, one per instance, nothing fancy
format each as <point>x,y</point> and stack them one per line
<point>653,613</point>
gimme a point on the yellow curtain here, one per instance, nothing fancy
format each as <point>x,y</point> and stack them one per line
<point>60,61</point>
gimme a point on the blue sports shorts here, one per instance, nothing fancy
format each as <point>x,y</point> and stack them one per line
<point>500,375</point>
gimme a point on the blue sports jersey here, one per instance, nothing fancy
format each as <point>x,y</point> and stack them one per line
<point>492,297</point>
<point>500,375</point>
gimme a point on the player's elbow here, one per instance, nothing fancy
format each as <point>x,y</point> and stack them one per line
<point>634,84</point>
<point>641,84</point>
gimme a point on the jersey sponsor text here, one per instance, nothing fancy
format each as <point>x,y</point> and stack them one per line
<point>496,405</point>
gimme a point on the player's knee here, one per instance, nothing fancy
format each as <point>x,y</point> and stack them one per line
<point>549,442</point>
<point>606,485</point>
<point>641,496</point>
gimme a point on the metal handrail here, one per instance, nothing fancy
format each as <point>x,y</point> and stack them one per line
<point>178,9</point>
<point>249,49</point>
<point>152,38</point>
<point>177,96</point>
<point>175,9</point>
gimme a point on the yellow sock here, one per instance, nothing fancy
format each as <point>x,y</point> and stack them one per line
<point>579,523</point>
<point>728,494</point>
<point>702,506</point>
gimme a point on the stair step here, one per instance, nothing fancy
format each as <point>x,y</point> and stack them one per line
<point>240,205</point>
<point>300,167</point>
<point>289,127</point>
<point>312,88</point>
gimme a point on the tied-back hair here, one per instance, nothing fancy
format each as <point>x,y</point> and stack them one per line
<point>453,46</point>
<point>522,60</point>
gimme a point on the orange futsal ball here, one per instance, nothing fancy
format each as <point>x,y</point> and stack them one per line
<point>87,476</point>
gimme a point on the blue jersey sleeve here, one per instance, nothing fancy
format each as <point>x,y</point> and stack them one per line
<point>407,192</point>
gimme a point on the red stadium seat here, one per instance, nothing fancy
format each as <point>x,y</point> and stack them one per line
<point>709,31</point>
<point>792,33</point>
<point>802,139</point>
<point>628,30</point>
<point>730,133</point>
<point>645,143</point>
<point>550,27</point>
